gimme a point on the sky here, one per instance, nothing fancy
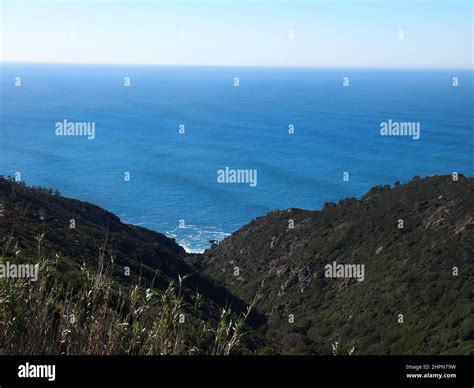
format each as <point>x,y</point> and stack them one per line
<point>298,33</point>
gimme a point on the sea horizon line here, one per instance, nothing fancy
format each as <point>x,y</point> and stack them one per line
<point>309,67</point>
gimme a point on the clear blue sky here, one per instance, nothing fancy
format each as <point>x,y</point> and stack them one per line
<point>240,32</point>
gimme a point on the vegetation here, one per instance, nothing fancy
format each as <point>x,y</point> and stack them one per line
<point>409,271</point>
<point>51,317</point>
<point>147,296</point>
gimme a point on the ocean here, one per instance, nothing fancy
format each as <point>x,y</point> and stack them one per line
<point>308,138</point>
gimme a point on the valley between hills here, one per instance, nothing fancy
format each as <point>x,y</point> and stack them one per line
<point>401,279</point>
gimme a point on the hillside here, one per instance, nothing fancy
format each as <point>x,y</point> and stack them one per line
<point>412,243</point>
<point>129,254</point>
<point>408,271</point>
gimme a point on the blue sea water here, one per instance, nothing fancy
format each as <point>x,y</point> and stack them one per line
<point>174,176</point>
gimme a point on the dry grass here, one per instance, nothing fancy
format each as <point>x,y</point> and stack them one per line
<point>51,317</point>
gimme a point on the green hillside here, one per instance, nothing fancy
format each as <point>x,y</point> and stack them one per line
<point>412,245</point>
<point>105,272</point>
<point>408,271</point>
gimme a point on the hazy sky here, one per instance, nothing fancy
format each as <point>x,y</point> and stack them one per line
<point>240,32</point>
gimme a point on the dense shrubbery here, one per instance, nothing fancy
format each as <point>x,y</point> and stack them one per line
<point>409,271</point>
